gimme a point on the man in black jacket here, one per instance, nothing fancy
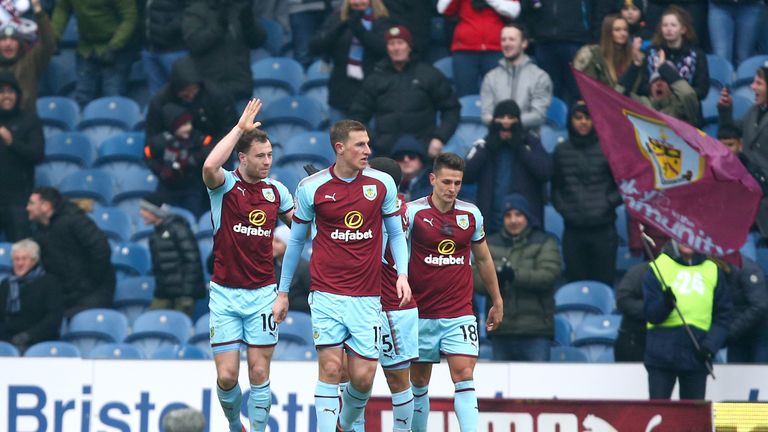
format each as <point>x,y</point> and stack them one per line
<point>404,96</point>
<point>176,260</point>
<point>74,250</point>
<point>22,146</point>
<point>30,300</point>
<point>748,333</point>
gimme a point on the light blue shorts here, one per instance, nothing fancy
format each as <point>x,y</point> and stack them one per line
<point>447,336</point>
<point>351,321</point>
<point>242,316</point>
<point>399,338</point>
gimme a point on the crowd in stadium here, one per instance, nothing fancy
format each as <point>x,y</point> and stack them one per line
<point>108,110</point>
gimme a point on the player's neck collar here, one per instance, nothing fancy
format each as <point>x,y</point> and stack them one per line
<point>432,204</point>
<point>332,170</point>
<point>239,175</point>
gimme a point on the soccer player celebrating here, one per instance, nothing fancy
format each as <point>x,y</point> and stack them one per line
<point>245,205</point>
<point>346,202</point>
<point>442,231</point>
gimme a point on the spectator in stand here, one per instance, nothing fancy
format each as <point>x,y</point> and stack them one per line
<point>164,44</point>
<point>414,166</point>
<point>508,160</point>
<point>176,156</point>
<point>560,28</point>
<point>634,12</point>
<point>74,250</point>
<point>416,15</point>
<point>103,58</point>
<point>176,260</point>
<point>527,261</point>
<point>735,24</point>
<point>212,110</point>
<point>298,296</point>
<point>630,345</point>
<point>22,146</point>
<point>748,333</point>
<point>675,42</point>
<point>696,9</point>
<point>585,194</point>
<point>404,96</point>
<point>306,17</point>
<point>353,39</point>
<point>30,302</point>
<point>475,43</point>
<point>607,61</point>
<point>518,78</point>
<point>220,35</point>
<point>28,63</point>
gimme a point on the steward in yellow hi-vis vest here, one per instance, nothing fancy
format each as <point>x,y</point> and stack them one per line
<point>698,287</point>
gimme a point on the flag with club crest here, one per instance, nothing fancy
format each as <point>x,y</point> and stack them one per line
<point>672,175</point>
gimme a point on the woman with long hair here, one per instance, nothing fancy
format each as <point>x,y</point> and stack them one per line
<point>607,61</point>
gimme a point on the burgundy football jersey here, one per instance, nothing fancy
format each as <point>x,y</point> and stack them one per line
<point>439,270</point>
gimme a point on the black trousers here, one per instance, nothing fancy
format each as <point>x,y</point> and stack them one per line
<point>629,346</point>
<point>590,253</point>
<point>661,382</point>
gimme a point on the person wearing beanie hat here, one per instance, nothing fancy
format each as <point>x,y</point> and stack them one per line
<point>404,95</point>
<point>585,194</point>
<point>22,147</point>
<point>176,260</point>
<point>527,261</point>
<point>414,166</point>
<point>509,159</point>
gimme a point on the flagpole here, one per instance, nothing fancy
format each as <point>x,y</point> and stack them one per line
<point>647,241</point>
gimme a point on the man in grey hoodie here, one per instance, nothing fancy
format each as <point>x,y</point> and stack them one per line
<point>518,78</point>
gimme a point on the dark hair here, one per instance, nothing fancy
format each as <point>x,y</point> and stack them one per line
<point>47,193</point>
<point>341,129</point>
<point>448,160</point>
<point>520,27</point>
<point>389,166</point>
<point>685,20</point>
<point>246,140</point>
<point>728,131</point>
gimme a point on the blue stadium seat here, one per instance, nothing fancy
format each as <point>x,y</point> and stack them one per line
<point>184,352</point>
<point>72,147</point>
<point>297,327</point>
<point>131,259</point>
<point>480,303</point>
<point>93,327</point>
<point>720,71</point>
<point>445,65</point>
<point>205,225</point>
<point>43,176</point>
<point>276,77</point>
<point>52,349</point>
<point>6,265</point>
<point>551,137</point>
<point>744,90</point>
<point>205,246</point>
<point>553,222</point>
<point>457,145</point>
<point>60,77</point>
<point>201,330</point>
<point>313,146</point>
<point>711,129</point>
<point>116,111</point>
<point>748,249</point>
<point>567,354</point>
<point>485,352</point>
<point>58,114</point>
<point>316,85</point>
<point>8,350</point>
<point>289,116</point>
<point>275,36</point>
<point>741,105</point>
<point>134,186</point>
<point>575,300</point>
<point>557,114</point>
<point>470,108</point>
<point>762,258</point>
<point>187,215</point>
<point>745,73</point>
<point>156,329</point>
<point>89,183</point>
<point>470,131</point>
<point>621,224</point>
<point>115,223</point>
<point>289,174</point>
<point>123,147</point>
<point>71,36</point>
<point>625,260</point>
<point>709,106</point>
<point>116,351</point>
<point>141,231</point>
<point>596,335</point>
<point>290,351</point>
<point>563,331</point>
<point>133,295</point>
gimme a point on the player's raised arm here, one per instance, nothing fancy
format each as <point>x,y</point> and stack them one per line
<point>213,173</point>
<point>487,272</point>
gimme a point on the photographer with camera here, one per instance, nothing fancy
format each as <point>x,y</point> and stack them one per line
<point>508,160</point>
<point>527,261</point>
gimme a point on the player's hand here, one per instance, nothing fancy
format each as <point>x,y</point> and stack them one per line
<point>725,98</point>
<point>280,307</point>
<point>246,123</point>
<point>403,289</point>
<point>495,314</point>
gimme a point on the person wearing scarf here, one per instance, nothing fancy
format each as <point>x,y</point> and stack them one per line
<point>30,302</point>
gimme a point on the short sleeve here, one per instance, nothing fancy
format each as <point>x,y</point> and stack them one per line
<point>229,182</point>
<point>305,203</point>
<point>479,233</point>
<point>286,200</point>
<point>389,207</point>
